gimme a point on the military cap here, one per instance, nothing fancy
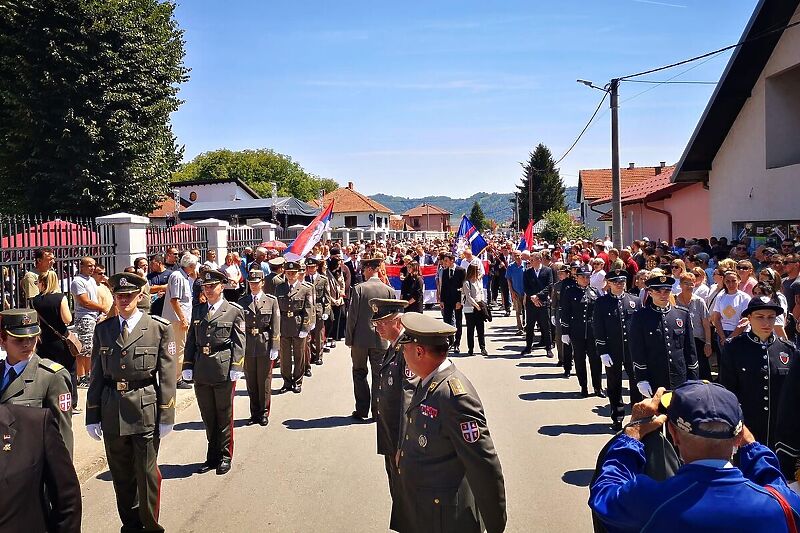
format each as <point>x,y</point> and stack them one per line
<point>212,277</point>
<point>616,274</point>
<point>126,282</point>
<point>584,271</point>
<point>255,275</point>
<point>20,322</point>
<point>311,262</point>
<point>762,303</point>
<point>563,268</point>
<point>660,282</point>
<point>277,262</point>
<point>575,265</point>
<point>384,307</point>
<point>425,330</point>
<point>695,402</point>
<point>335,251</point>
<point>372,263</point>
<point>291,266</point>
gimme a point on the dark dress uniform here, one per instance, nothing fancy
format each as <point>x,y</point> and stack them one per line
<point>322,306</point>
<point>612,317</point>
<point>450,475</point>
<point>577,308</point>
<point>131,392</point>
<point>262,320</point>
<point>42,383</point>
<point>215,347</point>
<point>295,304</point>
<point>787,431</point>
<point>40,488</point>
<point>555,313</point>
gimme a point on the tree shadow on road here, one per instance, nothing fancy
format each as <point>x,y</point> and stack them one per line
<point>198,425</point>
<point>534,377</point>
<point>550,395</point>
<point>323,423</point>
<point>537,364</point>
<point>596,428</point>
<point>578,478</point>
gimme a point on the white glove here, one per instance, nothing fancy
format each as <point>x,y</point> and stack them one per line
<point>606,360</point>
<point>553,320</point>
<point>645,388</point>
<point>235,375</point>
<point>303,334</point>
<point>94,431</point>
<point>164,430</point>
<point>324,316</point>
<point>187,375</point>
<point>565,339</point>
<point>273,354</point>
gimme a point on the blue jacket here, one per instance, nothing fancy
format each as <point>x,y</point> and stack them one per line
<point>697,498</point>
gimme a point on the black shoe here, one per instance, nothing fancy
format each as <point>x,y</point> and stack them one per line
<point>307,373</point>
<point>567,373</point>
<point>599,393</point>
<point>616,425</point>
<point>525,351</point>
<point>470,353</point>
<point>286,388</point>
<point>550,353</point>
<point>456,349</point>
<point>584,392</point>
<point>253,421</point>
<point>484,352</point>
<point>520,332</point>
<point>224,467</point>
<point>297,389</point>
<point>206,467</point>
<point>508,313</point>
<point>182,385</point>
<point>539,345</point>
<point>264,420</point>
<point>326,349</point>
<point>333,345</point>
<point>318,362</point>
<point>357,416</point>
<point>276,364</point>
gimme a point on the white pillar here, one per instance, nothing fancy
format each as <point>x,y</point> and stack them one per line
<point>345,237</point>
<point>268,230</point>
<point>130,236</point>
<point>217,235</point>
<point>360,234</point>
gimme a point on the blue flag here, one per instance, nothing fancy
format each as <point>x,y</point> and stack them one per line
<point>469,234</point>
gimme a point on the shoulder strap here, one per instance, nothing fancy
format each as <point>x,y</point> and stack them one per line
<point>787,509</point>
<point>43,321</point>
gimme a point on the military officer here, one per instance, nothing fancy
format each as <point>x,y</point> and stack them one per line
<point>661,343</point>
<point>275,275</point>
<point>787,432</point>
<point>295,303</point>
<point>564,279</point>
<point>262,320</point>
<point>214,360</point>
<point>754,366</point>
<point>396,386</point>
<point>448,468</point>
<point>612,316</point>
<point>30,380</point>
<point>130,403</point>
<point>577,307</point>
<point>322,304</point>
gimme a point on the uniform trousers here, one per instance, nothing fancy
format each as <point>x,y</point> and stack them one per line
<point>562,348</point>
<point>454,317</point>
<point>216,410</point>
<point>614,385</point>
<point>360,357</point>
<point>315,337</point>
<point>581,349</point>
<point>541,316</point>
<point>258,377</point>
<point>132,461</point>
<point>703,362</point>
<point>293,360</point>
<point>396,521</point>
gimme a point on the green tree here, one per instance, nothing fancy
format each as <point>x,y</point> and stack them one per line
<point>258,169</point>
<point>548,190</point>
<point>477,217</point>
<point>559,225</point>
<point>87,88</point>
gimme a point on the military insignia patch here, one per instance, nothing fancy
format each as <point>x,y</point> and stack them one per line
<point>423,440</point>
<point>65,402</point>
<point>470,431</point>
<point>409,374</point>
<point>6,443</point>
<point>784,357</point>
<point>427,410</point>
<point>632,304</point>
<point>171,349</point>
<point>390,381</point>
<point>433,385</point>
<point>208,277</point>
<point>26,320</point>
<point>456,387</point>
<point>124,282</point>
<point>679,322</point>
<point>374,308</point>
<point>663,279</point>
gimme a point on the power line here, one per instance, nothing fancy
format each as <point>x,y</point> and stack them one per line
<point>586,127</point>
<point>666,82</point>
<point>681,73</point>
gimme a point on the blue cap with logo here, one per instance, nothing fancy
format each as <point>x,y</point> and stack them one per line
<point>691,404</point>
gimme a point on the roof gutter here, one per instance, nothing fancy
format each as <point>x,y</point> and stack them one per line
<point>663,212</point>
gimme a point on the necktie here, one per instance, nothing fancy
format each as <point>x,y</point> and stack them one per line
<point>210,312</point>
<point>124,331</point>
<point>9,378</point>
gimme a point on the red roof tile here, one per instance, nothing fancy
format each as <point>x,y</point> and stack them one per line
<point>426,209</point>
<point>652,189</point>
<point>349,201</point>
<point>166,208</point>
<point>596,183</point>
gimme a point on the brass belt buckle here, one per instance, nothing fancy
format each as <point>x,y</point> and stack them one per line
<point>289,314</point>
<point>122,386</point>
<point>206,350</point>
<point>254,331</point>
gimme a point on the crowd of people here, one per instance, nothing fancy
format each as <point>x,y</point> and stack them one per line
<point>657,313</point>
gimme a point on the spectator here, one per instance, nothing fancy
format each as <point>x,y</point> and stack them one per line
<point>631,267</point>
<point>171,259</point>
<point>87,310</point>
<point>701,325</point>
<point>140,267</point>
<point>336,283</point>
<point>211,261</point>
<point>728,307</point>
<point>766,290</point>
<point>637,254</point>
<point>616,261</point>
<point>473,298</point>
<point>790,286</point>
<point>701,288</point>
<point>678,268</point>
<point>233,269</point>
<point>412,289</point>
<point>600,252</point>
<point>747,275</point>
<point>470,259</point>
<point>598,277</point>
<point>178,307</point>
<point>43,261</point>
<point>104,296</point>
<point>157,277</point>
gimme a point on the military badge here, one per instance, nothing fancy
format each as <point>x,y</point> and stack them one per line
<point>26,320</point>
<point>171,349</point>
<point>124,282</point>
<point>679,322</point>
<point>208,277</point>
<point>784,357</point>
<point>423,440</point>
<point>632,304</point>
<point>470,431</point>
<point>409,374</point>
<point>456,387</point>
<point>427,410</point>
<point>390,381</point>
<point>6,443</point>
<point>65,402</point>
<point>663,279</point>
<point>374,308</point>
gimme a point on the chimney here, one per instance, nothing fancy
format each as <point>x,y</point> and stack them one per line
<point>350,185</point>
<point>659,169</point>
<point>663,164</point>
<point>631,166</point>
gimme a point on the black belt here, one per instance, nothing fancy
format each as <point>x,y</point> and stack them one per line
<point>129,385</point>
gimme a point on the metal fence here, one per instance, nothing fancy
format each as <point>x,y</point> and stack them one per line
<point>285,235</point>
<point>184,237</point>
<point>68,239</point>
<point>240,237</point>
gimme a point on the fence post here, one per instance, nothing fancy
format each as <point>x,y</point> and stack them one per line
<point>130,232</point>
<point>267,230</point>
<point>217,235</point>
<point>345,237</point>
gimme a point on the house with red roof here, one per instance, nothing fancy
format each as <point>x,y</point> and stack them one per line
<point>427,217</point>
<point>354,210</point>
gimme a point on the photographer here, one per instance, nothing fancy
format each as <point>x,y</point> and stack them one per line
<point>708,493</point>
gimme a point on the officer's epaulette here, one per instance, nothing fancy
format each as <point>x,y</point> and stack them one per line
<point>308,284</point>
<point>52,366</point>
<point>456,387</point>
<point>160,319</point>
<point>788,343</point>
<point>267,295</point>
<point>237,306</point>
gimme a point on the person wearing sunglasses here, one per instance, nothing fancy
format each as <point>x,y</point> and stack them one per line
<point>677,268</point>
<point>728,307</point>
<point>747,276</point>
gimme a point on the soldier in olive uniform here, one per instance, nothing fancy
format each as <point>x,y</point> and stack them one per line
<point>214,359</point>
<point>275,275</point>
<point>295,303</point>
<point>30,380</point>
<point>577,308</point>
<point>322,304</point>
<point>131,400</point>
<point>262,329</point>
<point>396,386</point>
<point>449,471</point>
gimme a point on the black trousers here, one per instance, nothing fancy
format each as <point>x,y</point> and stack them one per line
<point>258,377</point>
<point>454,317</point>
<point>333,322</point>
<point>362,357</point>
<point>132,461</point>
<point>537,315</point>
<point>702,361</point>
<point>475,323</point>
<point>614,385</point>
<point>216,410</point>
<point>500,286</point>
<point>581,349</point>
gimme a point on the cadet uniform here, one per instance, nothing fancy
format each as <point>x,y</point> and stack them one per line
<point>39,382</point>
<point>787,431</point>
<point>661,343</point>
<point>612,316</point>
<point>555,313</point>
<point>396,386</point>
<point>322,305</point>
<point>215,350</point>
<point>295,303</point>
<point>577,307</point>
<point>262,320</point>
<point>131,398</point>
<point>275,274</point>
<point>449,471</point>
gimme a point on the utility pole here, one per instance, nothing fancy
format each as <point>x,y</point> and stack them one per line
<point>616,178</point>
<point>530,195</point>
<point>516,209</point>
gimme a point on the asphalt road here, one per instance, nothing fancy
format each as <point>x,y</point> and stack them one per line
<point>314,469</point>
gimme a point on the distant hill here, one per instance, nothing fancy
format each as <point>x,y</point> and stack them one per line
<point>497,206</point>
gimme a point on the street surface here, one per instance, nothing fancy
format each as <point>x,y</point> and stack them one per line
<point>314,469</point>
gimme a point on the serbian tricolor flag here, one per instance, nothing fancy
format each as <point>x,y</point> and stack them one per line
<point>527,238</point>
<point>310,236</point>
<point>468,234</point>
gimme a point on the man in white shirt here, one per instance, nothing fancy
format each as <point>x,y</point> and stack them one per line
<point>178,307</point>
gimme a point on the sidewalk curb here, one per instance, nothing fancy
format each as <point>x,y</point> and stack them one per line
<point>99,463</point>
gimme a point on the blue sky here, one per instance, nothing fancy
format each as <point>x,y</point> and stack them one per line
<point>444,97</point>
